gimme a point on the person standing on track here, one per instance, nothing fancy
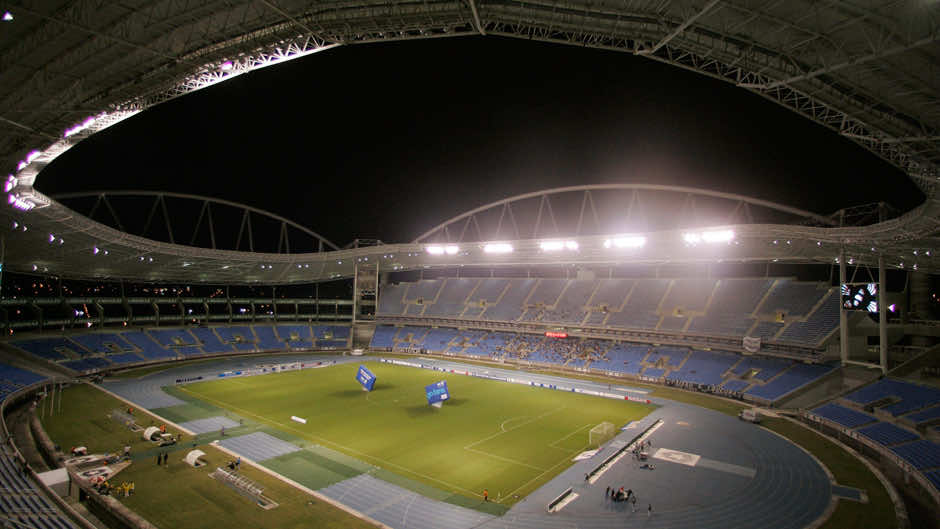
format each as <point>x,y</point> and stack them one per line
<point>486,495</point>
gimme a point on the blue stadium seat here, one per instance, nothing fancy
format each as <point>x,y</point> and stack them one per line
<point>845,416</point>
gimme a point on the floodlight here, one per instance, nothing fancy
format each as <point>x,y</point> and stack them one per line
<point>692,238</point>
<point>51,238</point>
<point>9,184</point>
<point>497,247</point>
<point>892,307</point>
<point>226,66</point>
<point>551,246</point>
<point>719,236</point>
<point>95,250</point>
<point>626,241</point>
<point>7,16</point>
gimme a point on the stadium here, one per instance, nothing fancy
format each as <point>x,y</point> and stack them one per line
<point>569,353</point>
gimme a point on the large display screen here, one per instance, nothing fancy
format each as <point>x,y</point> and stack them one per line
<point>860,296</point>
<point>366,378</point>
<point>437,392</point>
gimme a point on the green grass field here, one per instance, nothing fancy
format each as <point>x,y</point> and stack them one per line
<point>507,438</point>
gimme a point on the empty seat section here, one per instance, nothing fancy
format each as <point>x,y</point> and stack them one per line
<point>124,358</point>
<point>735,385</point>
<point>690,295</point>
<point>452,298</point>
<point>295,335</point>
<point>765,367</point>
<point>390,300</point>
<point>49,348</point>
<point>704,367</point>
<point>622,358</point>
<point>925,416</point>
<point>765,330</point>
<point>921,454</point>
<point>887,434</point>
<point>148,348</point>
<point>818,326</point>
<point>792,298</point>
<point>570,307</point>
<point>420,294</point>
<point>383,337</point>
<point>793,378</point>
<point>509,307</point>
<point>102,342</point>
<point>209,341</point>
<point>239,336</point>
<point>608,296</point>
<point>640,309</point>
<point>841,415</point>
<point>267,340</point>
<point>543,296</point>
<point>18,376</point>
<point>172,337</point>
<point>87,364</point>
<point>909,396</point>
<point>438,339</point>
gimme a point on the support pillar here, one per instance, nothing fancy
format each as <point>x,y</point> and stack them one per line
<point>843,320</point>
<point>882,316</point>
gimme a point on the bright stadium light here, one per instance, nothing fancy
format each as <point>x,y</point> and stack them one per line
<point>497,247</point>
<point>553,246</point>
<point>626,241</point>
<point>449,249</point>
<point>7,16</point>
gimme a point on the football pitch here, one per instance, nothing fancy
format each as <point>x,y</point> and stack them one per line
<point>506,438</point>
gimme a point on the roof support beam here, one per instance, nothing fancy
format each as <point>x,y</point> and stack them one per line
<point>682,27</point>
<point>476,17</point>
<point>855,61</point>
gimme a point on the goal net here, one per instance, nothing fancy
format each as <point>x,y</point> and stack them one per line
<point>601,433</point>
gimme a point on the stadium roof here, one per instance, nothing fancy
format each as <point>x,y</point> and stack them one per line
<point>870,73</point>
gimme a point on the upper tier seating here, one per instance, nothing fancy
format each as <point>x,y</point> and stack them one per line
<point>509,306</point>
<point>909,396</point>
<point>13,378</point>
<point>452,298</point>
<point>726,307</point>
<point>921,454</point>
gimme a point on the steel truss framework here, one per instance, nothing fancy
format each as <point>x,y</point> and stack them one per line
<point>74,67</point>
<point>204,218</point>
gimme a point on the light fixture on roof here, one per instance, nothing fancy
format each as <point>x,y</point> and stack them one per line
<point>227,66</point>
<point>449,249</point>
<point>553,246</point>
<point>7,16</point>
<point>497,247</point>
<point>51,238</point>
<point>626,241</point>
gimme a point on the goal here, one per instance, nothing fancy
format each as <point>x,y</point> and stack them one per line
<point>601,433</point>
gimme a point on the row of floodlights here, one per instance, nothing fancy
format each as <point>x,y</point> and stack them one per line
<point>618,242</point>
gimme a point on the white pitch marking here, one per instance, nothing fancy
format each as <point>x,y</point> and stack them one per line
<point>675,456</point>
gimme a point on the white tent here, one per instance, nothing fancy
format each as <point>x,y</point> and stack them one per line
<point>152,433</point>
<point>194,458</point>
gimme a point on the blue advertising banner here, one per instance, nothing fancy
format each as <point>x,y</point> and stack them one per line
<point>366,378</point>
<point>437,393</point>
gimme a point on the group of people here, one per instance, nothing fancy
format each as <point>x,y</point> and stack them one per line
<point>162,458</point>
<point>614,494</point>
<point>235,464</point>
<point>638,452</point>
<point>105,488</point>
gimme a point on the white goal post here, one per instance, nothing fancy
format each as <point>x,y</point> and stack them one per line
<point>601,433</point>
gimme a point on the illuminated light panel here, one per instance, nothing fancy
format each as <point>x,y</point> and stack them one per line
<point>449,249</point>
<point>554,246</point>
<point>7,16</point>
<point>497,247</point>
<point>626,241</point>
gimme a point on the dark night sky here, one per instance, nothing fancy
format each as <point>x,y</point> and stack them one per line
<point>388,140</point>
